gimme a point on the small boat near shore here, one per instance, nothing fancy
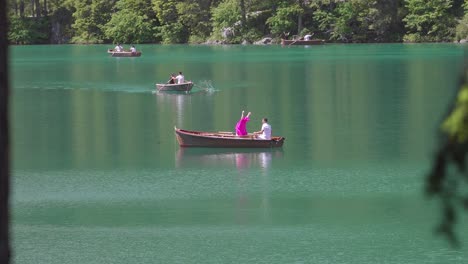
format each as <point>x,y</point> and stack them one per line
<point>123,53</point>
<point>286,42</point>
<point>188,138</point>
<point>177,87</point>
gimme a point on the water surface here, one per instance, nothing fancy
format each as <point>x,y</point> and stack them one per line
<point>99,178</point>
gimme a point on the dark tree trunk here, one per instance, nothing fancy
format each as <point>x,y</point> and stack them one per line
<point>33,14</point>
<point>21,8</point>
<point>15,7</point>
<point>299,25</point>
<point>45,8</point>
<point>243,14</point>
<point>38,8</point>
<point>299,18</point>
<point>4,141</point>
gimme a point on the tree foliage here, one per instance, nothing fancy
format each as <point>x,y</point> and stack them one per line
<point>359,20</point>
<point>462,27</point>
<point>25,30</point>
<point>132,22</point>
<point>90,16</point>
<point>226,16</point>
<point>285,18</point>
<point>233,21</point>
<point>448,177</point>
<point>429,20</point>
<point>182,21</point>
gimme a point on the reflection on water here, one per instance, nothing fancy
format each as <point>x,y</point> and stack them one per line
<point>176,102</point>
<point>242,159</point>
<point>253,169</point>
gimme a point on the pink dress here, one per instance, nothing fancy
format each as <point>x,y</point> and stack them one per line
<point>241,126</point>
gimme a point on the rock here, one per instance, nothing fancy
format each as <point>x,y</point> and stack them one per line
<point>263,41</point>
<point>463,41</point>
<point>246,42</point>
<point>227,32</point>
<point>215,42</point>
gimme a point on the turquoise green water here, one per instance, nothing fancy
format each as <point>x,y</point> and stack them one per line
<point>99,178</point>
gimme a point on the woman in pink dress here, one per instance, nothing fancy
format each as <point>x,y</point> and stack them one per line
<point>241,126</point>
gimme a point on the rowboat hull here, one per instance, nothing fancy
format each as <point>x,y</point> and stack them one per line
<point>183,87</point>
<point>187,138</point>
<point>124,53</point>
<point>286,42</point>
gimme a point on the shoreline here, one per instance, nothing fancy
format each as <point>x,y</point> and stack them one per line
<point>461,42</point>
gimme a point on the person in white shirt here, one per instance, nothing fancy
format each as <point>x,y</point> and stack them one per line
<point>118,48</point>
<point>265,132</point>
<point>133,49</point>
<point>308,37</point>
<point>180,78</point>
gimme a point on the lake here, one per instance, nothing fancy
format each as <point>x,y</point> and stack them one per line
<point>98,176</point>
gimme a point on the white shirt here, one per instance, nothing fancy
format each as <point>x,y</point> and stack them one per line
<point>117,48</point>
<point>180,78</point>
<point>307,37</point>
<point>133,49</point>
<point>266,128</point>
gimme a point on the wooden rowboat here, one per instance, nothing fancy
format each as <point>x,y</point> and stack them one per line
<point>286,42</point>
<point>123,53</point>
<point>187,138</point>
<point>181,87</point>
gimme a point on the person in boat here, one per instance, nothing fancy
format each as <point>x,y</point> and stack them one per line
<point>180,78</point>
<point>133,49</point>
<point>308,37</point>
<point>265,132</point>
<point>285,35</point>
<point>118,48</point>
<point>172,79</point>
<point>241,126</point>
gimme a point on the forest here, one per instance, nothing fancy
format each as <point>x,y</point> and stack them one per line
<point>235,21</point>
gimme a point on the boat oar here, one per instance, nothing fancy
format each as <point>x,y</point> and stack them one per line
<point>292,42</point>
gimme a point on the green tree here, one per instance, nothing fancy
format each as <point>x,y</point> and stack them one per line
<point>225,19</point>
<point>170,29</point>
<point>27,30</point>
<point>237,20</point>
<point>132,22</point>
<point>429,20</point>
<point>195,20</point>
<point>284,19</point>
<point>324,15</point>
<point>462,27</point>
<point>90,17</point>
<point>182,21</point>
<point>359,20</point>
<point>448,175</point>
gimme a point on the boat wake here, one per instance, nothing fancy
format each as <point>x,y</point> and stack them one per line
<point>206,86</point>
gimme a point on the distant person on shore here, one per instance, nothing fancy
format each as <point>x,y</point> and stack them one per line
<point>241,126</point>
<point>172,79</point>
<point>133,49</point>
<point>180,78</point>
<point>265,132</point>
